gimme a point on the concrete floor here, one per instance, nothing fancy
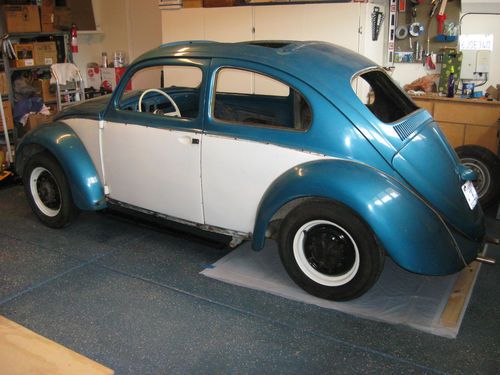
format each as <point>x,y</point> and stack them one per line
<point>131,298</point>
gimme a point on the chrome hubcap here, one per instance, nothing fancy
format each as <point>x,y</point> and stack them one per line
<point>483,181</point>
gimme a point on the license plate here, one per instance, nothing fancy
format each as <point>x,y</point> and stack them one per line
<point>470,194</point>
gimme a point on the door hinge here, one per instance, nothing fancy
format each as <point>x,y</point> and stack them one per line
<point>195,141</point>
<point>106,190</point>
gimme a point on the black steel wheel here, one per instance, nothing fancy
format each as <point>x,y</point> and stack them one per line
<point>48,191</point>
<point>329,251</point>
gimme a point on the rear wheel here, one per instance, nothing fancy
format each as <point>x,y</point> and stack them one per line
<point>48,191</point>
<point>329,251</point>
<point>486,165</point>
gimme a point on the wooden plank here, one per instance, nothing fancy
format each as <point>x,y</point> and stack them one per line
<point>25,352</point>
<point>466,113</point>
<point>454,133</point>
<point>425,104</point>
<point>451,313</point>
<point>485,136</point>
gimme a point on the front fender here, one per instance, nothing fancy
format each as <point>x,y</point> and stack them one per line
<point>410,231</point>
<point>65,145</point>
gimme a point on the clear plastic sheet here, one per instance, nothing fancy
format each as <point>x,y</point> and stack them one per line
<point>398,297</point>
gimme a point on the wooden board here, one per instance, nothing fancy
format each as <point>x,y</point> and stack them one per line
<point>456,303</point>
<point>466,113</point>
<point>454,133</point>
<point>486,136</point>
<point>24,352</point>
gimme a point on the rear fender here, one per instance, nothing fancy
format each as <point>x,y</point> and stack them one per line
<point>410,231</point>
<point>63,143</point>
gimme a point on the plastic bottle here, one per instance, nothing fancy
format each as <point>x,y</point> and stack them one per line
<point>451,83</point>
<point>104,57</point>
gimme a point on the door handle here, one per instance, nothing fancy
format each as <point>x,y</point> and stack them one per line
<point>186,140</point>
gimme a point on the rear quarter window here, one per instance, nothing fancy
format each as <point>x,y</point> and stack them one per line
<point>382,96</point>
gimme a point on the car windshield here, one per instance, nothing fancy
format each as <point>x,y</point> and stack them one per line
<point>382,96</point>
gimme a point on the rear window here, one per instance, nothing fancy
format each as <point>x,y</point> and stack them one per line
<point>382,96</point>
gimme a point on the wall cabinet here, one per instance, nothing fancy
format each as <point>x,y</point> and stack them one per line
<point>345,24</point>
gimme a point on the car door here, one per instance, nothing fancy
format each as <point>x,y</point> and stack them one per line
<point>150,154</point>
<point>253,130</point>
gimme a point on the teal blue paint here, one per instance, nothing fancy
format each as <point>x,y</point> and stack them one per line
<point>407,228</point>
<point>63,143</point>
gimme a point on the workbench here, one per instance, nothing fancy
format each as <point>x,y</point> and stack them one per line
<point>465,121</point>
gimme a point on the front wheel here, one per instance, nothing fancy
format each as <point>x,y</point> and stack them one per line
<point>329,251</point>
<point>48,191</point>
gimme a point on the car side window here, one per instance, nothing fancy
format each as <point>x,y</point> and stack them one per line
<point>164,90</point>
<point>249,98</point>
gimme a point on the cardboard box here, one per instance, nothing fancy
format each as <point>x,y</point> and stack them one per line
<point>218,3</point>
<point>21,18</point>
<point>45,53</point>
<point>111,76</point>
<point>63,18</point>
<point>47,16</point>
<point>3,159</point>
<point>4,88</point>
<point>44,87</point>
<point>24,54</point>
<point>36,120</point>
<point>9,119</point>
<point>94,79</point>
<point>192,3</point>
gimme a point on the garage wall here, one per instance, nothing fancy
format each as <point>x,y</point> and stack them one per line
<point>135,26</point>
<point>471,24</point>
<point>132,26</point>
<point>486,24</point>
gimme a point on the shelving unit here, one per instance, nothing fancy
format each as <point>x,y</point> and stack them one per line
<point>5,65</point>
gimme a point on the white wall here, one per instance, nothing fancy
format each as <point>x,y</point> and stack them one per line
<point>486,24</point>
<point>135,26</point>
<point>132,26</point>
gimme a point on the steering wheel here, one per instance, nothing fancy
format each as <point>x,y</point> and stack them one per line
<point>176,113</point>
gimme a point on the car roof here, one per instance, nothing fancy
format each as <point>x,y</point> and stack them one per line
<point>314,62</point>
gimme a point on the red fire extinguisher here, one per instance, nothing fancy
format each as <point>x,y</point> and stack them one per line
<point>74,41</point>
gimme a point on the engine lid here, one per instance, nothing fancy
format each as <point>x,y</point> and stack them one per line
<point>429,164</point>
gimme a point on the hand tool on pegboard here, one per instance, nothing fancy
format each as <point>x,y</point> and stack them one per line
<point>441,16</point>
<point>428,60</point>
<point>377,19</point>
<point>393,23</point>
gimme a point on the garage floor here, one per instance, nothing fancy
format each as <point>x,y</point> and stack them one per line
<point>131,297</point>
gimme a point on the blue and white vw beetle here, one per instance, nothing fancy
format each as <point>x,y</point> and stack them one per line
<point>305,142</point>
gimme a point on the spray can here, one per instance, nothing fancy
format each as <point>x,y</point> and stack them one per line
<point>451,83</point>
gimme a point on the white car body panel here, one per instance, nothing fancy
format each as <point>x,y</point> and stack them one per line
<point>88,132</point>
<point>235,175</point>
<point>183,180</point>
<point>153,168</point>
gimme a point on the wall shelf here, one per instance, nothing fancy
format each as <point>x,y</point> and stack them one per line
<point>35,35</point>
<point>32,67</point>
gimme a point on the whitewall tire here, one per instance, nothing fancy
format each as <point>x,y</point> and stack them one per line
<point>329,251</point>
<point>48,192</point>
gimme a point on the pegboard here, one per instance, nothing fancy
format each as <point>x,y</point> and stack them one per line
<point>422,17</point>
